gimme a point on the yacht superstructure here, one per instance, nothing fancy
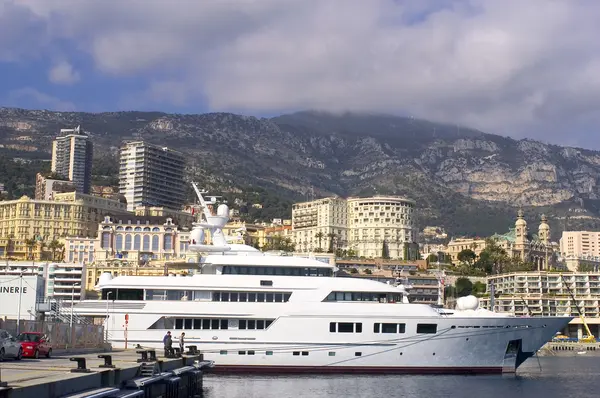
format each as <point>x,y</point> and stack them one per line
<point>253,312</point>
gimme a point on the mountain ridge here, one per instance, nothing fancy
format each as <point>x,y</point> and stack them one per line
<point>455,173</point>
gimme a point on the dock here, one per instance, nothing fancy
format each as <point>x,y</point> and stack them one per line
<point>122,374</point>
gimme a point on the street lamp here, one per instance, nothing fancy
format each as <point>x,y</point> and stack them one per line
<point>106,322</point>
<point>19,306</point>
<point>72,304</point>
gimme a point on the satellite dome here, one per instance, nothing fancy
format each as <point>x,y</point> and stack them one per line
<point>467,303</point>
<point>223,210</point>
<point>105,278</point>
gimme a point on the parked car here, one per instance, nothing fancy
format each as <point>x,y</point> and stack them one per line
<point>9,346</point>
<point>35,344</point>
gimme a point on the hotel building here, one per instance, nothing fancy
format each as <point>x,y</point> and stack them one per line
<point>380,226</point>
<point>151,175</point>
<point>72,154</point>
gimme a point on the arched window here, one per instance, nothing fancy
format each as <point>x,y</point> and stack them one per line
<point>146,229</point>
<point>155,229</point>
<point>128,242</point>
<point>168,242</point>
<point>105,240</point>
<point>137,242</point>
<point>146,245</point>
<point>119,242</point>
<point>155,243</point>
<point>138,229</point>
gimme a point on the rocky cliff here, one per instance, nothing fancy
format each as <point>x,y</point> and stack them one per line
<point>464,179</point>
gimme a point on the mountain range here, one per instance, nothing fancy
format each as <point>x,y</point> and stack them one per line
<point>464,180</point>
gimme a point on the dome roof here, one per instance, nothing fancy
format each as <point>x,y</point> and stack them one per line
<point>520,220</point>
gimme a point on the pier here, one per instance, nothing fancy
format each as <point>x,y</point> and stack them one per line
<point>129,373</point>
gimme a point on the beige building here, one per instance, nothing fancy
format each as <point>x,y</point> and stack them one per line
<point>72,154</point>
<point>69,214</point>
<point>581,263</point>
<point>46,187</point>
<point>457,245</point>
<point>315,223</point>
<point>370,227</point>
<point>580,243</point>
<point>549,294</point>
<point>181,218</point>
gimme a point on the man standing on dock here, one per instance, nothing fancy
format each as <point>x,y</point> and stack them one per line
<point>181,341</point>
<point>167,342</point>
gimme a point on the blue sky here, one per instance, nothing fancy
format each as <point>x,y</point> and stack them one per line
<point>510,67</point>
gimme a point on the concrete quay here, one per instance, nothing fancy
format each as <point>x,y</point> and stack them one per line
<point>569,349</point>
<point>126,373</point>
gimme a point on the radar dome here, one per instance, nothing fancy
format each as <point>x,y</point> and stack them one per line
<point>223,210</point>
<point>467,303</point>
<point>105,278</point>
<point>197,236</point>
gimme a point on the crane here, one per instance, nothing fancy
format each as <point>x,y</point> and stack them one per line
<point>589,338</point>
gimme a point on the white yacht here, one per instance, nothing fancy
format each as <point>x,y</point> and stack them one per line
<point>253,312</point>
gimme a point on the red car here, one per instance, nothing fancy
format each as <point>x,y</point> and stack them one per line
<point>34,344</point>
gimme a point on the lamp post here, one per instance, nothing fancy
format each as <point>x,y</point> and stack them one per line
<point>72,304</point>
<point>106,322</point>
<point>19,305</point>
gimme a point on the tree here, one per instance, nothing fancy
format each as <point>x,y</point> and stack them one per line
<point>319,235</point>
<point>351,253</point>
<point>30,243</point>
<point>467,256</point>
<point>385,251</point>
<point>331,237</point>
<point>353,271</point>
<point>479,288</point>
<point>493,258</point>
<point>464,287</point>
<point>432,258</point>
<point>368,271</point>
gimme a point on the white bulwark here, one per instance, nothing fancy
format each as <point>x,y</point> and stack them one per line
<point>28,289</point>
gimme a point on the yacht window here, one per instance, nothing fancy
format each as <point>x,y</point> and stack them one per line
<point>233,297</point>
<point>286,296</point>
<point>269,298</point>
<point>345,327</point>
<point>243,297</point>
<point>269,353</point>
<point>251,324</point>
<point>260,297</point>
<point>252,297</point>
<point>197,323</point>
<point>266,283</point>
<point>364,296</point>
<point>268,323</point>
<point>216,296</point>
<point>260,324</point>
<point>376,327</point>
<point>389,328</point>
<point>214,324</point>
<point>206,324</point>
<point>278,297</point>
<point>224,296</point>
<point>224,323</point>
<point>188,324</point>
<point>178,323</point>
<point>427,328</point>
<point>332,327</point>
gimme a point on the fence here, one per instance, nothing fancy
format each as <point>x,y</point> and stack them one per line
<point>59,334</point>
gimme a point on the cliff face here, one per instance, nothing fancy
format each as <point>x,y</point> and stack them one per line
<point>450,170</point>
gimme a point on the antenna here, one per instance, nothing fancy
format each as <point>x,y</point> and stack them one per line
<point>205,209</point>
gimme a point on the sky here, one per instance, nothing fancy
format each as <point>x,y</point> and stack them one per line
<point>510,67</point>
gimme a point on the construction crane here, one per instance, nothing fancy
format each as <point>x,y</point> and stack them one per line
<point>589,338</point>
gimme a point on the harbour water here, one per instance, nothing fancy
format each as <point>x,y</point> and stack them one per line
<point>572,377</point>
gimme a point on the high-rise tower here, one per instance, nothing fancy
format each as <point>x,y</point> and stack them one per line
<point>72,153</point>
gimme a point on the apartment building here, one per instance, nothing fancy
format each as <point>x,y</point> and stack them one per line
<point>47,186</point>
<point>151,175</point>
<point>548,294</point>
<point>380,226</point>
<point>72,154</point>
<point>68,214</point>
<point>320,223</point>
<point>580,243</point>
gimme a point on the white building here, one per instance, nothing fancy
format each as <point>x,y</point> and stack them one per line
<point>580,243</point>
<point>542,293</point>
<point>61,281</point>
<point>380,226</point>
<point>315,223</point>
<point>151,175</point>
<point>72,154</point>
<point>19,295</point>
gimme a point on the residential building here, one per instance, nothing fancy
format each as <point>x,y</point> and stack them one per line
<point>72,154</point>
<point>181,218</point>
<point>47,186</point>
<point>457,245</point>
<point>151,175</point>
<point>317,223</point>
<point>380,226</point>
<point>28,226</point>
<point>80,250</point>
<point>544,293</point>
<point>584,263</point>
<point>580,243</point>
<point>61,281</point>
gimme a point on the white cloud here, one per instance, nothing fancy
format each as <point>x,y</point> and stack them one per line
<point>63,73</point>
<point>506,66</point>
<point>43,100</point>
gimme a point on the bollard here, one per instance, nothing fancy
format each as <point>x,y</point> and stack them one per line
<point>152,355</point>
<point>81,368</point>
<point>192,350</point>
<point>177,351</point>
<point>107,361</point>
<point>144,355</point>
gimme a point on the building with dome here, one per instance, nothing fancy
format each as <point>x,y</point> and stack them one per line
<point>536,248</point>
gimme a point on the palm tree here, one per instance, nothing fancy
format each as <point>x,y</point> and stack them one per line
<point>30,243</point>
<point>320,236</point>
<point>331,237</point>
<point>54,247</point>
